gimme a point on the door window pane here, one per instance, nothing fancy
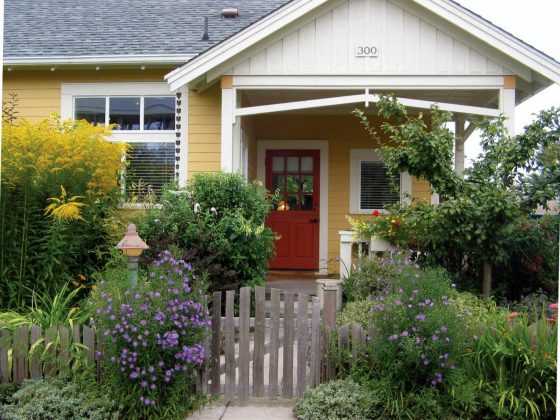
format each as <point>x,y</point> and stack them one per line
<point>307,202</point>
<point>125,113</point>
<point>293,183</point>
<point>278,183</point>
<point>159,113</point>
<point>292,202</point>
<point>307,183</point>
<point>293,164</point>
<point>277,164</point>
<point>307,164</point>
<point>90,109</point>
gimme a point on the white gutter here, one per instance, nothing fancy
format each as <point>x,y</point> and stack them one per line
<point>175,59</point>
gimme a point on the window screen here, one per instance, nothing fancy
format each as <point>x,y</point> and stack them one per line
<point>149,167</point>
<point>376,186</point>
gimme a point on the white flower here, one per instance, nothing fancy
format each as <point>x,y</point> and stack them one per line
<point>214,211</point>
<point>197,208</point>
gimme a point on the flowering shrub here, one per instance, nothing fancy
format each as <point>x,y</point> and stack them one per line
<point>218,223</point>
<point>154,339</point>
<point>392,227</point>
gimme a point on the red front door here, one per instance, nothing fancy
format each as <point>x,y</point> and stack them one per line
<point>294,175</point>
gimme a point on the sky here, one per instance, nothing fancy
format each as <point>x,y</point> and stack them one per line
<point>537,23</point>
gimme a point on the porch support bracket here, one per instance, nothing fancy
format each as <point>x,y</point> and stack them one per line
<point>366,99</point>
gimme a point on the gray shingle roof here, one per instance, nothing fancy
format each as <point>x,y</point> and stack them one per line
<point>122,27</point>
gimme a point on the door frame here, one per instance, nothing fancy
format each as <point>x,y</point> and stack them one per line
<point>323,147</point>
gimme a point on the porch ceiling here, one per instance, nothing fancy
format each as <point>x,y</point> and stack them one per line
<point>488,98</point>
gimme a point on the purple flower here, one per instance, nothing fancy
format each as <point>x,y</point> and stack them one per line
<point>404,333</point>
<point>426,362</point>
<point>393,337</point>
<point>421,317</point>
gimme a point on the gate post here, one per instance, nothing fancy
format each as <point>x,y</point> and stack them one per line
<point>329,320</point>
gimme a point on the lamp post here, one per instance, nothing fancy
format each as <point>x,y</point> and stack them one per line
<point>132,246</point>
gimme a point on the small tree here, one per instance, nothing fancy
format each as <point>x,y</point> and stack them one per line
<point>476,216</point>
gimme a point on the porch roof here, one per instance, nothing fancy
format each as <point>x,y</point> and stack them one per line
<point>203,68</point>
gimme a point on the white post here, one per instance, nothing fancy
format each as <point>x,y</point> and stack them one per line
<point>346,240</point>
<point>228,104</point>
<point>460,147</point>
<point>507,103</point>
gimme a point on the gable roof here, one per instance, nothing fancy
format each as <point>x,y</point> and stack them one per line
<point>449,10</point>
<point>120,31</point>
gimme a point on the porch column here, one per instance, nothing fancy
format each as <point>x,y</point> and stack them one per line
<point>460,147</point>
<point>228,121</point>
<point>182,135</point>
<point>507,103</point>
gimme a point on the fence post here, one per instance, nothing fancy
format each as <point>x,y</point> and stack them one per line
<point>329,320</point>
<point>215,346</point>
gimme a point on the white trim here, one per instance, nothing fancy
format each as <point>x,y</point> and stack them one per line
<point>452,12</point>
<point>366,99</point>
<point>495,36</point>
<point>381,81</point>
<point>171,59</point>
<point>507,107</point>
<point>184,147</point>
<point>323,147</point>
<point>241,41</point>
<point>228,104</point>
<point>356,157</point>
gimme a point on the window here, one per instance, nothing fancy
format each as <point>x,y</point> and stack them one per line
<point>143,115</point>
<point>371,187</point>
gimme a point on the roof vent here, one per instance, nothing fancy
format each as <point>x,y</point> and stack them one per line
<point>205,36</point>
<point>230,12</point>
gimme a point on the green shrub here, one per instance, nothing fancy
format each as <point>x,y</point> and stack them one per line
<point>339,399</point>
<point>154,339</point>
<point>217,223</point>
<point>358,312</point>
<point>373,275</point>
<point>471,309</point>
<point>60,398</point>
<point>514,364</point>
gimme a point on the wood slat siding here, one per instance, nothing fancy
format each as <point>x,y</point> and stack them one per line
<point>408,41</point>
<point>230,345</point>
<point>258,353</point>
<point>302,346</point>
<point>36,366</point>
<point>215,346</point>
<point>38,91</point>
<point>244,356</point>
<point>4,361</point>
<point>205,130</point>
<point>274,343</point>
<point>288,356</point>
<point>19,354</point>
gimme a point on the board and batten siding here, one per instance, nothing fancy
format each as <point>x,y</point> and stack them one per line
<point>343,132</point>
<point>38,91</point>
<point>409,41</point>
<point>205,130</point>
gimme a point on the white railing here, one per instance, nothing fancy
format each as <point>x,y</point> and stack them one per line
<point>347,240</point>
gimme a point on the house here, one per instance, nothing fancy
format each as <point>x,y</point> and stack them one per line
<point>266,88</point>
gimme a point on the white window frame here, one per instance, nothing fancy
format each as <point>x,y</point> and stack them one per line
<point>357,156</point>
<point>71,91</point>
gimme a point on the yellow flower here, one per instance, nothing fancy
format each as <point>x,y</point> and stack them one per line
<point>65,208</point>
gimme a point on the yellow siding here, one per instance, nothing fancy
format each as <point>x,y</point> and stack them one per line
<point>205,130</point>
<point>421,189</point>
<point>38,91</point>
<point>342,133</point>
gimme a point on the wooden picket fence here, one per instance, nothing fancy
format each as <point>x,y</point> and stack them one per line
<point>279,352</point>
<point>51,351</point>
<point>276,353</point>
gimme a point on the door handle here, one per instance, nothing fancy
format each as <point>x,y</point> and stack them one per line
<point>314,221</point>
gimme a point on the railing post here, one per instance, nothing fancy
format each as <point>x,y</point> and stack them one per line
<point>329,320</point>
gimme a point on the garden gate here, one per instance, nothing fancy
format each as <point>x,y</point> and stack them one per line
<point>278,352</point>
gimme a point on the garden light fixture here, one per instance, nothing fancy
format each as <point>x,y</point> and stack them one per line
<point>132,246</point>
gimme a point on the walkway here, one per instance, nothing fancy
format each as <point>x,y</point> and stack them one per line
<point>293,281</point>
<point>254,409</point>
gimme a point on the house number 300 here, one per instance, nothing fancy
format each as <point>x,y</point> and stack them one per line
<point>366,51</point>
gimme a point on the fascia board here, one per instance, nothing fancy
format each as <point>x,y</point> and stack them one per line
<point>241,41</point>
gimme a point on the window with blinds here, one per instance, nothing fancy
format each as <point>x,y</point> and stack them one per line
<point>377,187</point>
<point>149,167</point>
